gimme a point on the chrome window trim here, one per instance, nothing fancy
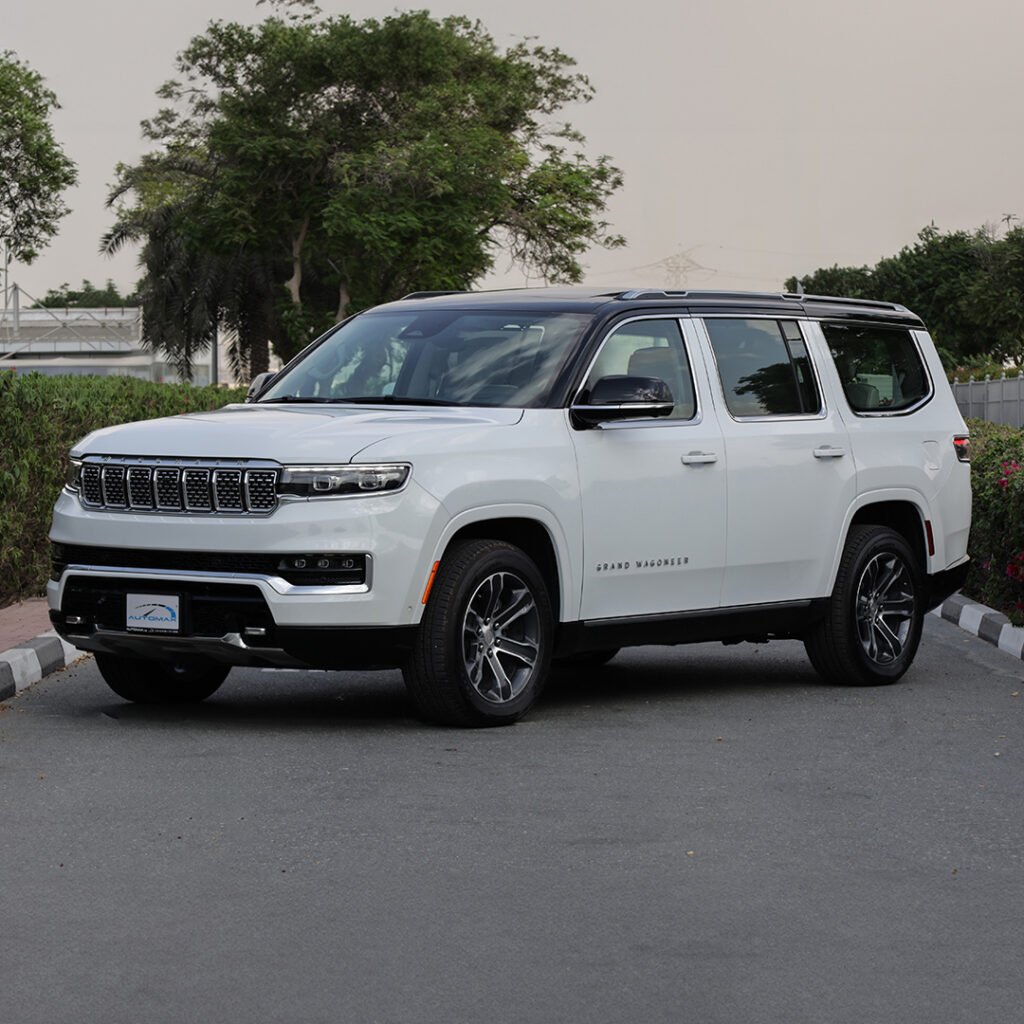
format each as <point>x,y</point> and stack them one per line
<point>875,414</point>
<point>801,323</point>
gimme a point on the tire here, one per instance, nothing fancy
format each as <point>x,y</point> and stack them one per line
<point>483,649</point>
<point>587,659</point>
<point>873,626</point>
<point>187,680</point>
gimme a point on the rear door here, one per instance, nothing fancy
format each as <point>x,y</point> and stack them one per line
<point>792,475</point>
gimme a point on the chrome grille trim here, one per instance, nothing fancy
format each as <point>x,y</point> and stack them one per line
<point>232,487</point>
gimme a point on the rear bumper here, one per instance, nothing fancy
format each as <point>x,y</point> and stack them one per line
<point>942,584</point>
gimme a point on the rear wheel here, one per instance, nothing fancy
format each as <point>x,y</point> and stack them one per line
<point>873,627</point>
<point>184,680</point>
<point>483,648</point>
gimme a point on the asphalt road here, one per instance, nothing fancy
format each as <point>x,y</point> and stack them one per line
<point>700,834</point>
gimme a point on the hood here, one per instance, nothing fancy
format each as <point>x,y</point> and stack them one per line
<point>312,433</point>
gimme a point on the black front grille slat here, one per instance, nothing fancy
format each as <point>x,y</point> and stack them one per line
<point>168,488</point>
<point>227,489</point>
<point>115,492</point>
<point>197,490</point>
<point>261,488</point>
<point>92,490</point>
<point>140,487</point>
<point>123,484</point>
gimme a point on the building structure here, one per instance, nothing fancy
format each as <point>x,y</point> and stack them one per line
<point>80,341</point>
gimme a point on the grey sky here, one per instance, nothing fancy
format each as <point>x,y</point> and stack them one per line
<point>758,138</point>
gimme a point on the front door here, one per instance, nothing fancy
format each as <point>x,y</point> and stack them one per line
<point>653,490</point>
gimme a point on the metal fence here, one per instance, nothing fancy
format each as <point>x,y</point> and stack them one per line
<point>999,401</point>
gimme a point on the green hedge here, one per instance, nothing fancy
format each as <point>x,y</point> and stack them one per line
<point>41,417</point>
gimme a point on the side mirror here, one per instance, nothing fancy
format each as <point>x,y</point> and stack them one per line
<point>624,398</point>
<point>259,382</point>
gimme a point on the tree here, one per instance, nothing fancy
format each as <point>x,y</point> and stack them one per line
<point>87,297</point>
<point>996,298</point>
<point>935,277</point>
<point>34,171</point>
<point>309,167</point>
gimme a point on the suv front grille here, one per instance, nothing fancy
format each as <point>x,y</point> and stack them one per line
<point>190,486</point>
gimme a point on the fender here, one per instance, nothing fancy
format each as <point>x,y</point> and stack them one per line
<point>568,554</point>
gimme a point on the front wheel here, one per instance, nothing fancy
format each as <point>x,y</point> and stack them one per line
<point>873,626</point>
<point>483,648</point>
<point>186,680</point>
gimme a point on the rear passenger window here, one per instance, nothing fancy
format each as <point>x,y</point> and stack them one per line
<point>764,367</point>
<point>880,367</point>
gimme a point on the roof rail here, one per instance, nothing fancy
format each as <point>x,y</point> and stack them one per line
<point>750,296</point>
<point>839,300</point>
<point>433,295</point>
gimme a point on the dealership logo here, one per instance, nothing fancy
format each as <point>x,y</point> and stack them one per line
<point>150,613</point>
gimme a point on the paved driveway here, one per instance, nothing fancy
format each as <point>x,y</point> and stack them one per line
<point>701,834</point>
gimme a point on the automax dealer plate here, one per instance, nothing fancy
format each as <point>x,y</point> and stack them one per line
<point>153,613</point>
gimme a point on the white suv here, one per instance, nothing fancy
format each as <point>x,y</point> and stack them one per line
<point>471,485</point>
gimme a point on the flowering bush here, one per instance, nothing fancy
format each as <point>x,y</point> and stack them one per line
<point>997,528</point>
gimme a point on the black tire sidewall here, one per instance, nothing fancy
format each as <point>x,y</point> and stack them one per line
<point>881,540</point>
<point>485,559</point>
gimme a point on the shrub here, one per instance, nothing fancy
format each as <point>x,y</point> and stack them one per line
<point>41,417</point>
<point>997,526</point>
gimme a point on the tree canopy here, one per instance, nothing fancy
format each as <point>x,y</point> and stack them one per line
<point>968,287</point>
<point>89,296</point>
<point>308,166</point>
<point>34,172</point>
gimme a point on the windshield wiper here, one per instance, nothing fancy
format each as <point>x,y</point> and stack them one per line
<point>293,398</point>
<point>358,400</point>
<point>394,400</point>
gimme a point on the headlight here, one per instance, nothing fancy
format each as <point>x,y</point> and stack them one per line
<point>337,481</point>
<point>73,480</point>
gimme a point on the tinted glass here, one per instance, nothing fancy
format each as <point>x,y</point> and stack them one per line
<point>880,367</point>
<point>441,357</point>
<point>764,367</point>
<point>648,348</point>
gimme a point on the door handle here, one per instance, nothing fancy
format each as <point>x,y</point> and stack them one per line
<point>829,452</point>
<point>697,458</point>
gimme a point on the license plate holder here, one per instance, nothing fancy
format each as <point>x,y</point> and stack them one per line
<point>152,613</point>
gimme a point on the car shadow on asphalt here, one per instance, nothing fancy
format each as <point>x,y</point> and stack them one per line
<point>368,700</point>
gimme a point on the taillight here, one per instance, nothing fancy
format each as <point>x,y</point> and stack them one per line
<point>962,446</point>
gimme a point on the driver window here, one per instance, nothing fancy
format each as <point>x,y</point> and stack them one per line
<point>649,348</point>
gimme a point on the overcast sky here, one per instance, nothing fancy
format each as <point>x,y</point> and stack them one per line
<point>759,139</point>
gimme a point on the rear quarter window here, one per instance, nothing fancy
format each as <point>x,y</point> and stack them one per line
<point>881,368</point>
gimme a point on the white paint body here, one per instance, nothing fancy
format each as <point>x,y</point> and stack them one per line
<point>645,516</point>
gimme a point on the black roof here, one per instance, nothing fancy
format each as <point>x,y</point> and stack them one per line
<point>581,298</point>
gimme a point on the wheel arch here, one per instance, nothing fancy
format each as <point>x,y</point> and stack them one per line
<point>530,536</point>
<point>901,516</point>
<point>534,531</point>
<point>904,512</point>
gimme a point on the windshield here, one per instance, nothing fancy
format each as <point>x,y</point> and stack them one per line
<point>441,357</point>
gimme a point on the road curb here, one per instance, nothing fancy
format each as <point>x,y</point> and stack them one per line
<point>33,660</point>
<point>991,626</point>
